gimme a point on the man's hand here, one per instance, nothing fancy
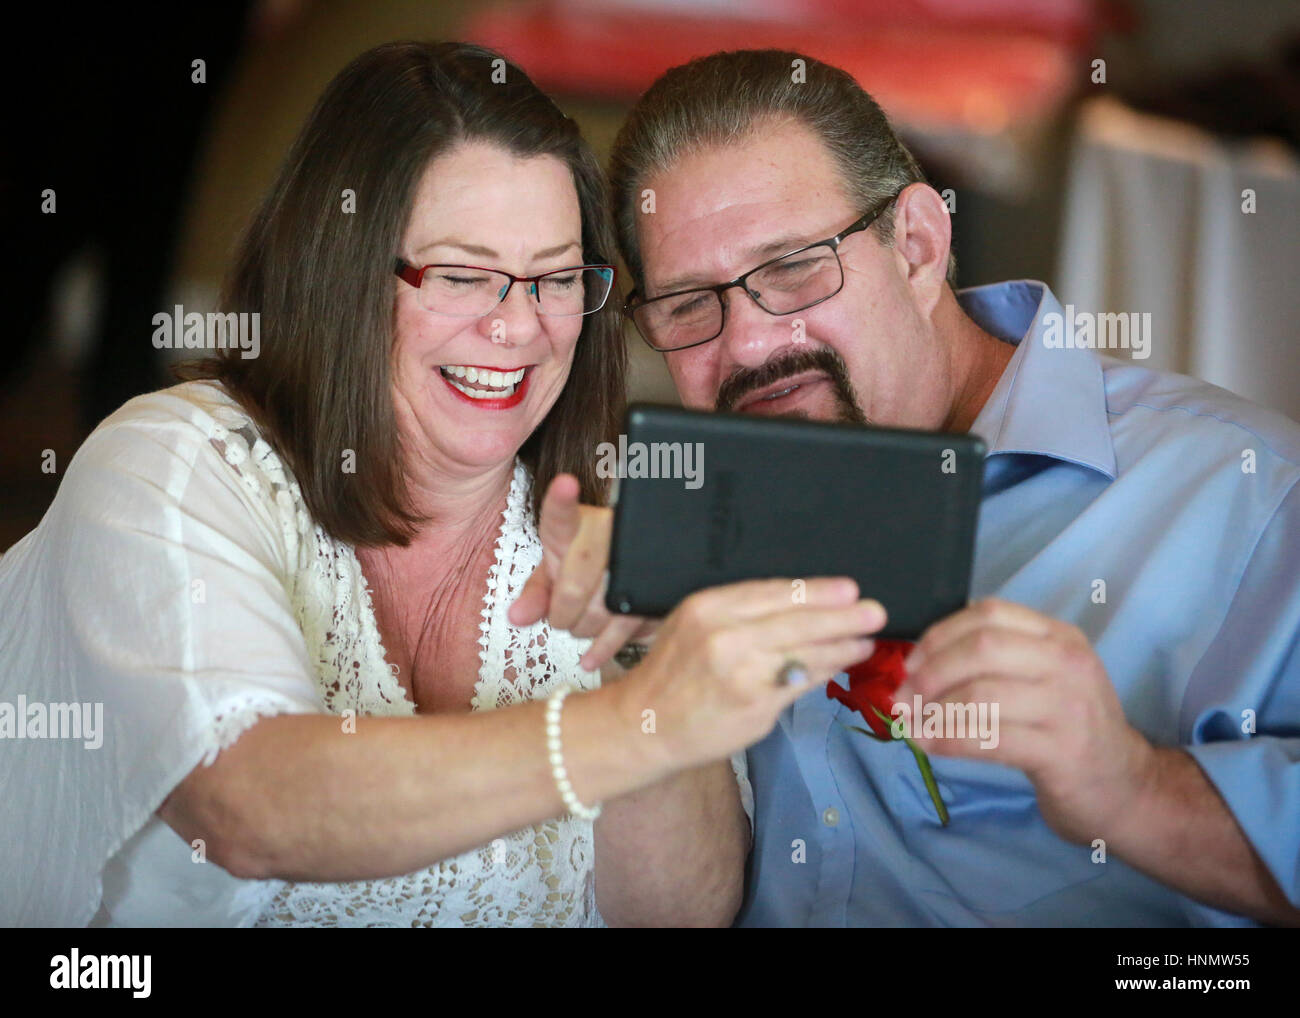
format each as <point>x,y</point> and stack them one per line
<point>1059,718</point>
<point>568,588</point>
<point>1095,775</point>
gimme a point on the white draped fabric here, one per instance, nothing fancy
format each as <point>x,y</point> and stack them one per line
<point>1157,220</point>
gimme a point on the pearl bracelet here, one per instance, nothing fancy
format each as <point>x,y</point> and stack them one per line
<point>554,704</point>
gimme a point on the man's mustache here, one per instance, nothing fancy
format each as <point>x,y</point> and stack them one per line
<point>745,381</point>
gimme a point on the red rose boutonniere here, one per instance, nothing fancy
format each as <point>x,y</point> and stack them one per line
<point>871,693</point>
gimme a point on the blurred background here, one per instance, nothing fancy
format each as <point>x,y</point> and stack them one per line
<point>1136,155</point>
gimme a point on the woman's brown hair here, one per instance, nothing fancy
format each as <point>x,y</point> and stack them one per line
<point>322,280</point>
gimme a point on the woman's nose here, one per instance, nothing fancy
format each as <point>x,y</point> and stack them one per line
<point>514,321</point>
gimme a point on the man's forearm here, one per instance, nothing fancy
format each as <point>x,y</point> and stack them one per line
<point>673,854</point>
<point>1182,833</point>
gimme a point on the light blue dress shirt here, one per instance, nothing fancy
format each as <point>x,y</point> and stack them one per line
<point>1183,499</point>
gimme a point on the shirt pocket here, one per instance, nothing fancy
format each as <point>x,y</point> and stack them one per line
<point>997,855</point>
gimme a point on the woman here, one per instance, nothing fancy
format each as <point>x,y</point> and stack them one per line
<point>286,579</point>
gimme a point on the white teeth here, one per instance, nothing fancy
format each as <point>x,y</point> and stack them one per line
<point>778,395</point>
<point>484,375</point>
<point>482,394</point>
<point>504,383</point>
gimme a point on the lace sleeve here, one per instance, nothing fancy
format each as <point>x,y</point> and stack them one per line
<point>154,593</point>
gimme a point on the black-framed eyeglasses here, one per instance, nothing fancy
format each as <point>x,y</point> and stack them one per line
<point>783,285</point>
<point>471,291</point>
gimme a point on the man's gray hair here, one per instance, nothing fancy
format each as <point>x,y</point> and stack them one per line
<point>724,98</point>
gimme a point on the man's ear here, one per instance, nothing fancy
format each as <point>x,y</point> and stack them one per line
<point>922,237</point>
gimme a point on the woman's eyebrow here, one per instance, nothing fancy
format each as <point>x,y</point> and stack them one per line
<point>479,251</point>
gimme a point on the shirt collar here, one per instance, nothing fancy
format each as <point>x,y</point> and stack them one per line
<point>1049,401</point>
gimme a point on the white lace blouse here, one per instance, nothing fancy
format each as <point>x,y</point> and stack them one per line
<point>178,581</point>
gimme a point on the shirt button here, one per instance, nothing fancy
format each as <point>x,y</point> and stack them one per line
<point>830,816</point>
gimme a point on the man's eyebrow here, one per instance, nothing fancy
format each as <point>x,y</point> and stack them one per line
<point>479,251</point>
<point>755,257</point>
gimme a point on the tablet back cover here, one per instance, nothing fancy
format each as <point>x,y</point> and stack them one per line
<point>756,497</point>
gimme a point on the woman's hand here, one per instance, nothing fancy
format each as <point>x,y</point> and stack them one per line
<point>568,588</point>
<point>712,676</point>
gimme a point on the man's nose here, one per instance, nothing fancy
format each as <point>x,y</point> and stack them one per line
<point>514,321</point>
<point>750,335</point>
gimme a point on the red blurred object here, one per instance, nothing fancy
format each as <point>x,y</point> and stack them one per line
<point>872,684</point>
<point>977,64</point>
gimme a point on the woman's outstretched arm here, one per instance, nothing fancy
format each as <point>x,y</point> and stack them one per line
<point>299,798</point>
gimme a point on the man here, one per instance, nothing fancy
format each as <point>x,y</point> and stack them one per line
<point>1137,573</point>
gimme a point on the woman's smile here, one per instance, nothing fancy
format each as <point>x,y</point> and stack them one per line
<point>487,387</point>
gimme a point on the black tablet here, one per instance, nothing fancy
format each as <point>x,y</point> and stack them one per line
<point>705,499</point>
